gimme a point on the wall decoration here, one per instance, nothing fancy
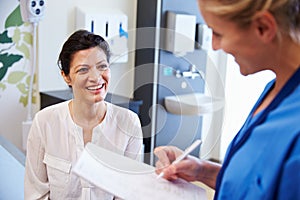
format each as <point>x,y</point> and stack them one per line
<point>15,52</point>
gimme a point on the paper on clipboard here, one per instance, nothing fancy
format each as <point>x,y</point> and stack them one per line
<point>129,179</point>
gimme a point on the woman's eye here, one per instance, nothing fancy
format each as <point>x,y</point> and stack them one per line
<point>82,70</point>
<point>102,67</point>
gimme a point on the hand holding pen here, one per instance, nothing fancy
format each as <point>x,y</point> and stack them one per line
<point>168,153</point>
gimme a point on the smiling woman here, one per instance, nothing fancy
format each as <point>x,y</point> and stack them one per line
<point>60,132</point>
<point>89,74</point>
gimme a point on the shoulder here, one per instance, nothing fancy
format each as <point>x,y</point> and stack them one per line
<point>117,114</point>
<point>289,109</point>
<point>120,112</point>
<point>294,96</point>
<point>56,110</point>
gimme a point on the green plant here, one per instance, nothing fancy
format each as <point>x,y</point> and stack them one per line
<point>17,42</point>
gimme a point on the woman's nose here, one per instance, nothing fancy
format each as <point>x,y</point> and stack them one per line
<point>95,74</point>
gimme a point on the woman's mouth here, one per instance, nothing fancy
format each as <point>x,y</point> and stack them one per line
<point>97,87</point>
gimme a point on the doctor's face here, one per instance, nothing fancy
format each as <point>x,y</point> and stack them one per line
<point>242,43</point>
<point>89,75</point>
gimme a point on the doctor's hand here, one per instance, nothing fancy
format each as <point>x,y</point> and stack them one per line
<point>187,169</point>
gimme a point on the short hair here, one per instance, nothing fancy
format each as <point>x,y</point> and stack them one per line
<point>80,40</point>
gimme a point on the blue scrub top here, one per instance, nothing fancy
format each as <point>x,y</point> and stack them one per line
<point>267,164</point>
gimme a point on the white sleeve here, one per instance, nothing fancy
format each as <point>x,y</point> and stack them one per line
<point>36,184</point>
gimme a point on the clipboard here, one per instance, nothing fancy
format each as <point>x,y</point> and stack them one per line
<point>129,179</point>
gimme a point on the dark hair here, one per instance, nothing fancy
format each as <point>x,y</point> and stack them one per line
<point>80,40</point>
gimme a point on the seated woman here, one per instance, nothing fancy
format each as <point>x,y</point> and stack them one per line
<point>59,132</point>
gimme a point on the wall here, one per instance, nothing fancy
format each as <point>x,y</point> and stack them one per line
<point>60,18</point>
<point>213,122</point>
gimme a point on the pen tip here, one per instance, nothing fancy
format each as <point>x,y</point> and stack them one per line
<point>160,175</point>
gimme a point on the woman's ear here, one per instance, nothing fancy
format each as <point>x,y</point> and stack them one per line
<point>66,78</point>
<point>265,25</point>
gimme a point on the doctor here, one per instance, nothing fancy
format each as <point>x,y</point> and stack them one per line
<point>263,160</point>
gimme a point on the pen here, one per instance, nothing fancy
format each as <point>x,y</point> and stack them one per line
<point>186,152</point>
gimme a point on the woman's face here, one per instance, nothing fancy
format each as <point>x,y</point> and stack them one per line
<point>89,75</point>
<point>243,44</point>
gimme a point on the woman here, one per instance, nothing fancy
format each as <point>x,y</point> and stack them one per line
<point>263,160</point>
<point>59,132</point>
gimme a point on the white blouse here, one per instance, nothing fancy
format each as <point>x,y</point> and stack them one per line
<point>55,143</point>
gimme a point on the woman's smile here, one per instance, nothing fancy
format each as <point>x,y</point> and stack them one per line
<point>96,87</point>
<point>90,75</point>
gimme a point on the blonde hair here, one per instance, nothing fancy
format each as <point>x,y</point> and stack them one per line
<point>286,12</point>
